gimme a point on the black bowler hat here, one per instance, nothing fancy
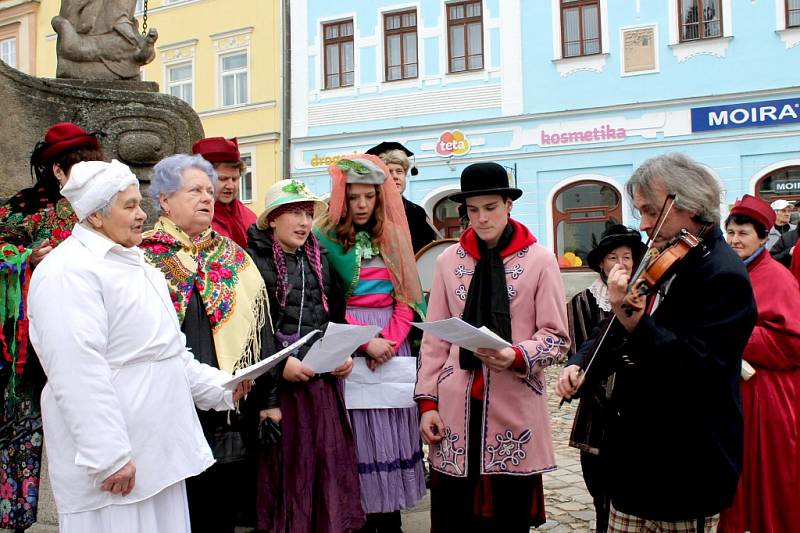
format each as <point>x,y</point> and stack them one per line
<point>385,146</point>
<point>479,179</point>
<point>612,238</point>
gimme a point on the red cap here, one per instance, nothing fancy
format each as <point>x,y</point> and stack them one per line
<point>756,209</point>
<point>66,136</point>
<point>218,150</point>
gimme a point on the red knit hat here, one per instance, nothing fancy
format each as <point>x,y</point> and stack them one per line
<point>218,150</point>
<point>755,209</point>
<point>66,136</point>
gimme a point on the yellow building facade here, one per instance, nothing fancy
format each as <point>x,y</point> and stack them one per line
<point>223,57</point>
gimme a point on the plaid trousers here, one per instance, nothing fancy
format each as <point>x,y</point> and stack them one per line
<point>625,523</point>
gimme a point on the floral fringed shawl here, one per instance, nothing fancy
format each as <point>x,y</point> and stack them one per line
<point>229,284</point>
<point>26,222</point>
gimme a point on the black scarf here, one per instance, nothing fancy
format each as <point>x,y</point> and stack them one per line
<point>487,299</point>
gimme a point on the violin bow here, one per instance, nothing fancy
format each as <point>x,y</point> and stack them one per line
<point>666,207</point>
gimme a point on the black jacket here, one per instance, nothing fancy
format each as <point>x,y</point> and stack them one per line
<point>230,434</point>
<point>781,251</point>
<point>675,433</point>
<point>286,319</point>
<point>421,231</point>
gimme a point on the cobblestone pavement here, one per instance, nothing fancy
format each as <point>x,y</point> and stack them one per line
<point>568,504</point>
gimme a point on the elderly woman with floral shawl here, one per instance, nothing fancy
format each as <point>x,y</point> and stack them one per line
<point>369,248</point>
<point>222,305</point>
<point>32,223</point>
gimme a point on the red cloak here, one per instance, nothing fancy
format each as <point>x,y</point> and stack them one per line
<point>766,499</point>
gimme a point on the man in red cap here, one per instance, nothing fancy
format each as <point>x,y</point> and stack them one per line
<point>231,217</point>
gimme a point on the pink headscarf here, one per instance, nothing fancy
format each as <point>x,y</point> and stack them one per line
<point>395,242</point>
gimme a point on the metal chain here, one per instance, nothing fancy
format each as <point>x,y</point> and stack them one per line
<point>144,18</point>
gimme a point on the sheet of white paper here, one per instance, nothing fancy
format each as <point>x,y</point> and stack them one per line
<point>340,341</point>
<point>456,331</point>
<point>256,370</point>
<point>390,386</point>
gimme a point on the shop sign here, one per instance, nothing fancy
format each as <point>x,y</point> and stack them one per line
<point>786,186</point>
<point>452,143</point>
<point>603,133</point>
<point>327,160</point>
<point>747,115</point>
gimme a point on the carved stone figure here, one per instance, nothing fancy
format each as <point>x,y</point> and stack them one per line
<point>100,40</point>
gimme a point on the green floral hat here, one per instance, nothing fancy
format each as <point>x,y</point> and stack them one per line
<point>288,192</point>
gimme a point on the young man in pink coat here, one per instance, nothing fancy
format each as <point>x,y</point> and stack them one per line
<point>484,414</point>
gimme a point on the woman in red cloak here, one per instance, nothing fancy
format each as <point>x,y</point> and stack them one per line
<point>766,500</point>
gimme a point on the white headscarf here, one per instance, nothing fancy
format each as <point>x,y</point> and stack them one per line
<point>92,184</point>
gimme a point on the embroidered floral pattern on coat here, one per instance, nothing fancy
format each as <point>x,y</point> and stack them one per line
<point>515,272</point>
<point>511,291</point>
<point>449,453</point>
<point>461,292</point>
<point>508,448</point>
<point>462,271</point>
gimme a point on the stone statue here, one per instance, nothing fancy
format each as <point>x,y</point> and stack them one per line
<point>100,40</point>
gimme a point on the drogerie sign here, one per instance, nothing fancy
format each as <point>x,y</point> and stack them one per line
<point>746,115</point>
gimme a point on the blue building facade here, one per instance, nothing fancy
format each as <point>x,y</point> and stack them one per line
<point>570,95</point>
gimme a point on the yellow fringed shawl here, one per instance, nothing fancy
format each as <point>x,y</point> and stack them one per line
<point>230,286</point>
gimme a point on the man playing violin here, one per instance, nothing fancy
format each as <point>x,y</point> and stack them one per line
<point>675,434</point>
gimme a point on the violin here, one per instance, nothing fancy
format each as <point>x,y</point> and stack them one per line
<point>656,267</point>
<point>653,270</point>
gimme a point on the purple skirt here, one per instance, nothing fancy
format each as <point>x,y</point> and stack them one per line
<point>388,444</point>
<point>308,483</point>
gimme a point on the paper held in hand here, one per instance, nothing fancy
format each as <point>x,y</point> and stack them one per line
<point>339,342</point>
<point>456,331</point>
<point>390,386</point>
<point>747,370</point>
<point>256,370</point>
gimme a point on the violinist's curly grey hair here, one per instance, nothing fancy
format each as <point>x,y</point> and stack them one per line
<point>695,189</point>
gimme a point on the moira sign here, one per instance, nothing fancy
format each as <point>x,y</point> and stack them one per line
<point>747,115</point>
<point>786,186</point>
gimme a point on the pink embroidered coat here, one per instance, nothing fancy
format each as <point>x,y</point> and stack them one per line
<point>516,437</point>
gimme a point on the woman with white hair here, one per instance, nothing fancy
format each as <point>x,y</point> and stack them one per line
<point>222,305</point>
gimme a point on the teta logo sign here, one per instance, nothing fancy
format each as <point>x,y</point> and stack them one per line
<point>452,143</point>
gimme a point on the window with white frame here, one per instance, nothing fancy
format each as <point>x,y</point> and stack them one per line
<point>246,182</point>
<point>180,81</point>
<point>400,45</point>
<point>8,51</point>
<point>339,47</point>
<point>580,27</point>
<point>464,36</point>
<point>233,79</point>
<point>700,19</point>
<point>139,6</point>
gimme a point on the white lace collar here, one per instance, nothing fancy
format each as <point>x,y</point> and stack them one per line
<point>600,292</point>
